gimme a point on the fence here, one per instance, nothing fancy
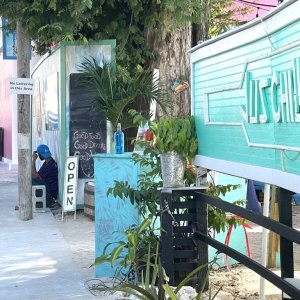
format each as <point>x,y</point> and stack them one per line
<point>199,237</point>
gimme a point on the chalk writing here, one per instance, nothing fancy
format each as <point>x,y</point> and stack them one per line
<point>87,128</point>
<point>85,144</point>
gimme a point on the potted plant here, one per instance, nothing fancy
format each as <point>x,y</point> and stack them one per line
<point>114,91</point>
<point>176,140</point>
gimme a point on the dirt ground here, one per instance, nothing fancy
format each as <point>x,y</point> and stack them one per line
<point>237,283</point>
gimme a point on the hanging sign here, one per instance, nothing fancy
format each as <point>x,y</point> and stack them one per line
<point>70,184</point>
<point>246,100</point>
<point>24,86</point>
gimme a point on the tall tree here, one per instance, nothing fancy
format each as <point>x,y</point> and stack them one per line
<point>30,18</point>
<point>149,33</point>
<point>157,34</point>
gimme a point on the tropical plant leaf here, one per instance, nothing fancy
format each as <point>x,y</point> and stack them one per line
<point>189,276</point>
<point>175,134</point>
<point>100,259</point>
<point>144,225</point>
<point>204,283</point>
<point>115,253</point>
<point>139,290</point>
<point>132,255</point>
<point>132,239</point>
<point>113,92</point>
<point>170,292</point>
<point>147,278</point>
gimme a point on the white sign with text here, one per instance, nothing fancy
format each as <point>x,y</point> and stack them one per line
<point>22,86</point>
<point>70,184</point>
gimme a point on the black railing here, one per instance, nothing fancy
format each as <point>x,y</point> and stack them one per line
<point>180,253</point>
<point>283,228</point>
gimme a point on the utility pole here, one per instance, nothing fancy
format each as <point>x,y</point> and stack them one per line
<point>24,127</point>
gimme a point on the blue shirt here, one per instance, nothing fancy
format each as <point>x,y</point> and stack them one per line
<point>49,173</point>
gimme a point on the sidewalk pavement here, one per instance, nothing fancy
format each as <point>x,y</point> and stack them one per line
<point>35,260</point>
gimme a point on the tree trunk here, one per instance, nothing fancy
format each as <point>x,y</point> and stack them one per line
<point>200,31</point>
<point>24,128</point>
<point>173,62</point>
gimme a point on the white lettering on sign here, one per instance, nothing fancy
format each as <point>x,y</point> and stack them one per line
<point>23,86</point>
<point>281,91</point>
<point>70,184</point>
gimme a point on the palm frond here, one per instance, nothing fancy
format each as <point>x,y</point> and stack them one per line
<point>114,92</point>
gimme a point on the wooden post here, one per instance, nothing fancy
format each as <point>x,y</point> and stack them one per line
<point>286,246</point>
<point>273,237</point>
<point>202,219</point>
<point>24,127</point>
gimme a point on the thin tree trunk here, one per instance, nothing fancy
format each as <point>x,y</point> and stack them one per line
<point>24,129</point>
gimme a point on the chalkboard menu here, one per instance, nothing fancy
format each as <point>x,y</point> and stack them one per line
<point>87,128</point>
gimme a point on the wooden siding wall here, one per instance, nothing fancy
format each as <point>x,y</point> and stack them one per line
<point>218,77</point>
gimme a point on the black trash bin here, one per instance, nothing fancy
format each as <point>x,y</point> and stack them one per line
<point>1,142</point>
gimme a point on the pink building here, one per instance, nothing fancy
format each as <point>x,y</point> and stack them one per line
<point>8,103</point>
<point>8,110</point>
<point>255,8</point>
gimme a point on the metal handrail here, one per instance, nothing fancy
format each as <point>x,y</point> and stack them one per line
<point>281,229</point>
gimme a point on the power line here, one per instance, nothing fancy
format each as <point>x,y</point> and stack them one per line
<point>257,7</point>
<point>253,5</point>
<point>256,4</point>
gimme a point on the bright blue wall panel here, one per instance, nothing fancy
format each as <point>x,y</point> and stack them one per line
<point>112,214</point>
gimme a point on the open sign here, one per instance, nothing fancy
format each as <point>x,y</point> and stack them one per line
<point>70,184</point>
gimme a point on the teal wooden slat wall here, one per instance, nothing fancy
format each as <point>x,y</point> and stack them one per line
<point>112,214</point>
<point>246,99</point>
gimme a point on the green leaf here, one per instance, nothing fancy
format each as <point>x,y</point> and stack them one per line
<point>132,239</point>
<point>100,259</point>
<point>144,225</point>
<point>147,279</point>
<point>140,290</point>
<point>126,290</point>
<point>189,276</point>
<point>115,253</point>
<point>170,292</point>
<point>132,255</point>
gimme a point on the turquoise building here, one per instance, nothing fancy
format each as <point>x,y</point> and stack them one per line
<point>246,99</point>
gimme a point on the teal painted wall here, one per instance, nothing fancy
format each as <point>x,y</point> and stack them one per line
<point>112,214</point>
<point>219,91</point>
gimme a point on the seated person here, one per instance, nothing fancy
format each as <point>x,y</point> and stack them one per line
<point>47,175</point>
